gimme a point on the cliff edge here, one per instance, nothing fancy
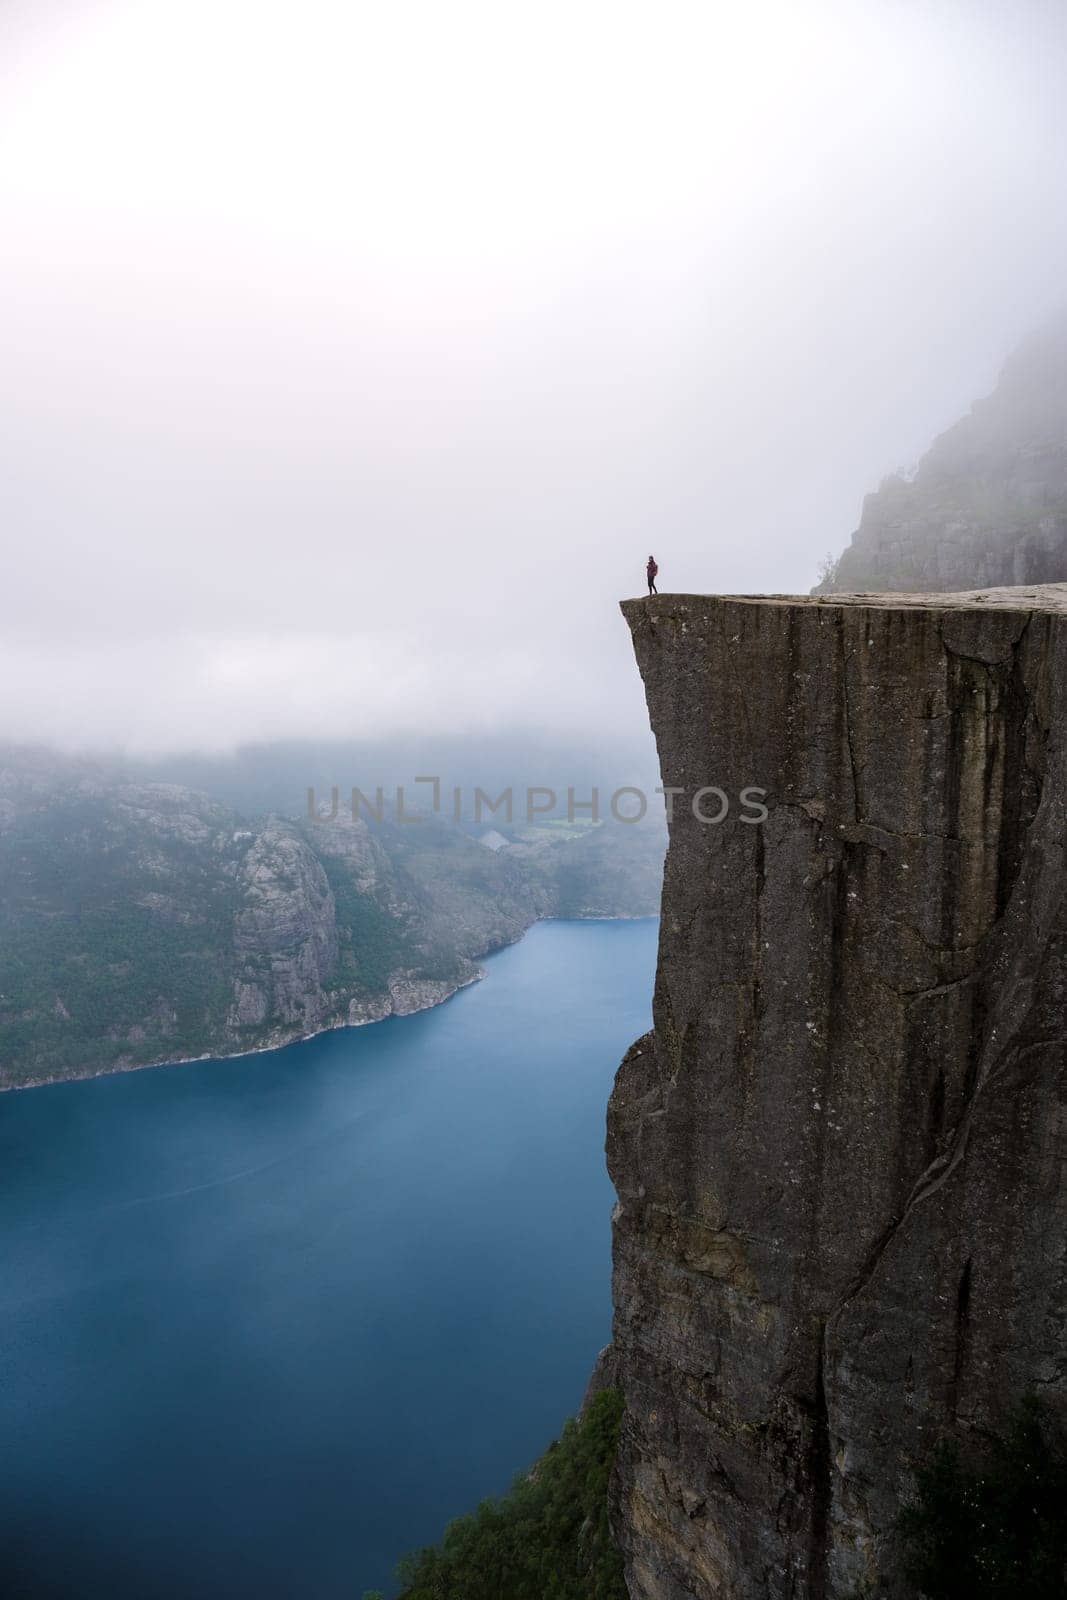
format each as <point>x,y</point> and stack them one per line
<point>840,1153</point>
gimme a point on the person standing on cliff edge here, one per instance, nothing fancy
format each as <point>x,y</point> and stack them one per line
<point>651,571</point>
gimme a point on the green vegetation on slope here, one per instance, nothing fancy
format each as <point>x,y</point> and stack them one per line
<point>374,941</point>
<point>994,1533</point>
<point>78,994</point>
<point>145,922</point>
<point>114,939</point>
<point>548,1539</point>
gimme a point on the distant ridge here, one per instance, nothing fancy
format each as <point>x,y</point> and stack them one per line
<point>987,505</point>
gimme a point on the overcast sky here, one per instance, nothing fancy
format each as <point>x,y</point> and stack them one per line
<point>355,355</point>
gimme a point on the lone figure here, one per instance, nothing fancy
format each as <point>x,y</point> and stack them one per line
<point>651,570</point>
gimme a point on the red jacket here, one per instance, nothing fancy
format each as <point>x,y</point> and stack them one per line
<point>652,568</point>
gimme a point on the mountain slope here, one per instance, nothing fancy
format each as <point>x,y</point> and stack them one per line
<point>987,504</point>
<point>144,922</point>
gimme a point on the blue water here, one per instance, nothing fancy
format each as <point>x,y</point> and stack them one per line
<point>266,1324</point>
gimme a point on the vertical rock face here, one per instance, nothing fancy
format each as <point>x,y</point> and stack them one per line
<point>840,1154</point>
<point>285,934</point>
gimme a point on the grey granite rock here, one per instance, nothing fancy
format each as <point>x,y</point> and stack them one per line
<point>285,934</point>
<point>840,1153</point>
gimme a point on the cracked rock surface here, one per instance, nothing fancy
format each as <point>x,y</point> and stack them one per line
<point>839,1155</point>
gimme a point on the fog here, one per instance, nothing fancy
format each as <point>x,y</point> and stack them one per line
<point>357,355</point>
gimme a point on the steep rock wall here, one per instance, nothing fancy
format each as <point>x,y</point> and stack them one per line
<point>840,1154</point>
<point>285,934</point>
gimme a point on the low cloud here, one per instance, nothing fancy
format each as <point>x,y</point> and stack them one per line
<point>356,362</point>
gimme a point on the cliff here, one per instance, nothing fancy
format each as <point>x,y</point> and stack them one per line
<point>839,1156</point>
<point>987,504</point>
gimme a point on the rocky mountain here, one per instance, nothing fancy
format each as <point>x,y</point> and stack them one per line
<point>143,922</point>
<point>840,1153</point>
<point>987,504</point>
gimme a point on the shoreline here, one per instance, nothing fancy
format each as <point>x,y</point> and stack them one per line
<point>329,1027</point>
<point>252,1050</point>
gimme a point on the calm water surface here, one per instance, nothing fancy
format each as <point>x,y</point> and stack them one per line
<point>266,1324</point>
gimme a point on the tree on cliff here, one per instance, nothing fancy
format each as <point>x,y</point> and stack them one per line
<point>547,1540</point>
<point>994,1533</point>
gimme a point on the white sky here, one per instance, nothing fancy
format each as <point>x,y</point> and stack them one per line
<point>355,356</point>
